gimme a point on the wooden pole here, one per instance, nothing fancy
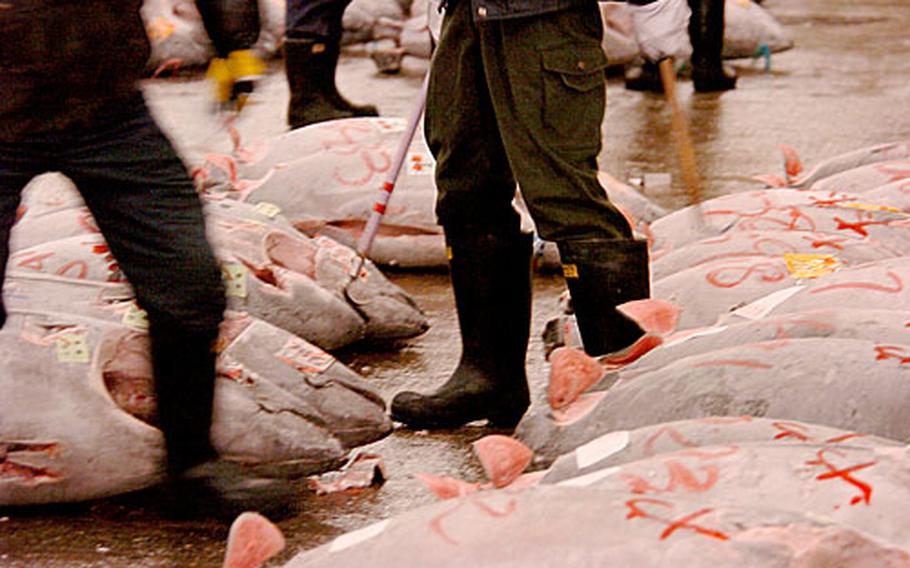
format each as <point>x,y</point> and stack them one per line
<point>684,148</point>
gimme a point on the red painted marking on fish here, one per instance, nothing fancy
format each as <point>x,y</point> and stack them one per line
<point>789,430</point>
<point>768,271</point>
<point>765,203</point>
<point>673,525</point>
<point>833,242</point>
<point>707,454</point>
<point>679,476</point>
<point>845,475</point>
<point>844,438</point>
<point>859,227</point>
<point>831,201</point>
<point>891,352</point>
<point>477,501</point>
<point>80,267</point>
<point>733,363</point>
<point>673,433</point>
<point>373,167</point>
<point>34,261</point>
<point>794,220</point>
<point>896,288</point>
<point>896,172</point>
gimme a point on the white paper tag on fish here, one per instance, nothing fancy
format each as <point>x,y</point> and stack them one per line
<point>601,448</point>
<point>420,164</point>
<point>72,347</point>
<point>760,308</point>
<point>234,275</point>
<point>356,537</point>
<point>135,317</point>
<point>304,357</point>
<point>270,210</point>
<point>589,478</point>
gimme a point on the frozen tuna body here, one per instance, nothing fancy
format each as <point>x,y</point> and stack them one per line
<point>881,284</point>
<point>340,401</point>
<point>772,379</point>
<point>839,214</point>
<point>858,487</point>
<point>849,161</point>
<point>552,526</point>
<point>176,33</point>
<point>625,446</point>
<point>78,416</point>
<point>846,250</point>
<point>273,269</point>
<point>63,436</point>
<point>886,326</point>
<point>748,27</point>
<point>863,178</point>
<point>285,298</point>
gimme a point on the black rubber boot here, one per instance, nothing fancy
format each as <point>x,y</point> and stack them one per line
<point>219,489</point>
<point>310,68</point>
<point>491,278</point>
<point>602,274</point>
<point>199,485</point>
<point>645,78</point>
<point>333,52</point>
<point>706,32</point>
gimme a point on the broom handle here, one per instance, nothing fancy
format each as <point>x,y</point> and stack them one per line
<point>372,226</point>
<point>684,148</point>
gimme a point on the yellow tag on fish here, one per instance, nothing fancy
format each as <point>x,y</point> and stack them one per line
<point>569,271</point>
<point>234,275</point>
<point>72,347</point>
<point>135,317</point>
<point>270,210</point>
<point>871,207</point>
<point>810,265</point>
<point>449,253</point>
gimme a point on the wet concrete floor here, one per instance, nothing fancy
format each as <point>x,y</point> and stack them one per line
<point>844,86</point>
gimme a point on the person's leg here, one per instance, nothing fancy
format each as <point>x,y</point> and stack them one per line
<point>706,31</point>
<point>312,47</point>
<point>144,203</point>
<point>20,161</point>
<point>489,256</point>
<point>233,24</point>
<point>547,83</point>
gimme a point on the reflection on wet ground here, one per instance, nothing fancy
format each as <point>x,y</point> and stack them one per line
<point>844,86</point>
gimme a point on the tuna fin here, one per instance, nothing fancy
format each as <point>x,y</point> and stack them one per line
<point>252,540</point>
<point>792,163</point>
<point>633,353</point>
<point>572,372</point>
<point>657,317</point>
<point>503,458</point>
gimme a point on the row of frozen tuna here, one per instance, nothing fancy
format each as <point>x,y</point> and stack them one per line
<point>768,428</point>
<point>325,179</point>
<point>395,28</point>
<point>77,415</point>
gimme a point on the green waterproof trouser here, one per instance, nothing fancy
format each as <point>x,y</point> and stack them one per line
<point>521,100</point>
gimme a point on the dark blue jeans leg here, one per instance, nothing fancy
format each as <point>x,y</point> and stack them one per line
<point>148,211</point>
<point>315,19</point>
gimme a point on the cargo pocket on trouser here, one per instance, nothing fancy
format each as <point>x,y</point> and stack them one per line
<point>574,96</point>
